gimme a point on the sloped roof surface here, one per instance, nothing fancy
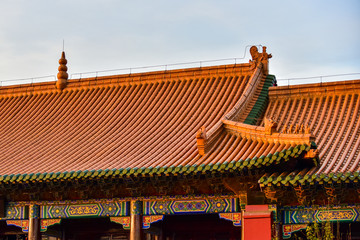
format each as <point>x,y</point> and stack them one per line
<point>332,111</point>
<point>136,121</point>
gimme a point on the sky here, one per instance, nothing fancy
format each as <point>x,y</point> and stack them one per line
<point>306,38</point>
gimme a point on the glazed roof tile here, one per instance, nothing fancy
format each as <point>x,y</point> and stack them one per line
<point>332,111</point>
<point>138,121</point>
<point>146,123</point>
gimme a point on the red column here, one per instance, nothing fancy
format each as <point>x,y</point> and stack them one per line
<point>2,208</point>
<point>34,223</point>
<point>136,220</point>
<point>256,222</point>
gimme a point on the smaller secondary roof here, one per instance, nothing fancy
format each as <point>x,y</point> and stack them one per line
<point>332,111</point>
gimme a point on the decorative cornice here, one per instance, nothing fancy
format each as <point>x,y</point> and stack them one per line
<point>267,133</point>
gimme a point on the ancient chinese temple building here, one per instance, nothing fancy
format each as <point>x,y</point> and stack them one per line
<point>216,152</point>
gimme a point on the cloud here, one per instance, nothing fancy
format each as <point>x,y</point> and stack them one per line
<point>305,37</point>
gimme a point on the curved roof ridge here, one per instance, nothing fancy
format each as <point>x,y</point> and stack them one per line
<point>240,106</point>
<point>132,78</point>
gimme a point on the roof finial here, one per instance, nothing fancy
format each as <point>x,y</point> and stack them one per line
<point>260,57</point>
<point>62,74</point>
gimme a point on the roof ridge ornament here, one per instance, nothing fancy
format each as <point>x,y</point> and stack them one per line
<point>62,74</point>
<point>296,129</point>
<point>201,140</point>
<point>269,133</point>
<point>260,58</point>
<point>270,126</point>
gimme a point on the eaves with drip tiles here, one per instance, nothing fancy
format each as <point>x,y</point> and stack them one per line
<point>140,125</point>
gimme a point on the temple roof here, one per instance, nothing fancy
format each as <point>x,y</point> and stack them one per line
<point>332,111</point>
<point>180,121</point>
<point>128,123</point>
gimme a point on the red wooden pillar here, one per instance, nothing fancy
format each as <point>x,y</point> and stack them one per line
<point>2,208</point>
<point>257,222</point>
<point>34,223</point>
<point>278,230</point>
<point>135,220</point>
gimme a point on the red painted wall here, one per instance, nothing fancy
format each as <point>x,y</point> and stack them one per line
<point>257,222</point>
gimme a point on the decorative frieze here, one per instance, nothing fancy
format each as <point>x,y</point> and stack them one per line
<point>34,211</point>
<point>336,215</point>
<point>124,221</point>
<point>234,217</point>
<point>289,229</point>
<point>84,210</point>
<point>148,220</point>
<point>15,212</point>
<point>23,224</point>
<point>45,223</point>
<point>321,214</point>
<point>166,207</point>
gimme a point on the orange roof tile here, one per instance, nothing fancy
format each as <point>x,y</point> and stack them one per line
<point>136,123</point>
<point>126,121</point>
<point>332,111</point>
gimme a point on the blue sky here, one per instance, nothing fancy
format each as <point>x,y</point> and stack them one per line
<point>306,38</point>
